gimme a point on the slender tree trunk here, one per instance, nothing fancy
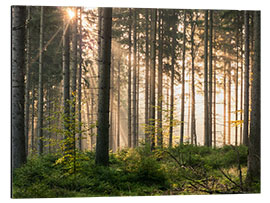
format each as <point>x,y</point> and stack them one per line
<point>172,84</point>
<point>17,87</point>
<point>40,84</point>
<point>80,83</point>
<point>118,105</point>
<point>214,105</point>
<point>33,120</point>
<point>66,81</point>
<point>254,170</point>
<point>129,79</point>
<point>146,78</point>
<point>236,83</point>
<point>246,97</point>
<point>102,146</point>
<point>111,134</point>
<point>134,111</point>
<point>210,100</point>
<point>74,82</point>
<point>138,89</point>
<point>193,129</point>
<point>229,104</point>
<point>206,111</point>
<point>224,111</point>
<point>160,81</point>
<point>183,84</point>
<point>153,76</point>
<point>242,84</point>
<point>27,84</point>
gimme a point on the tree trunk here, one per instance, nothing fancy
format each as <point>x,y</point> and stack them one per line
<point>172,84</point>
<point>66,80</point>
<point>246,89</point>
<point>74,80</point>
<point>153,76</point>
<point>206,112</point>
<point>40,84</point>
<point>27,84</point>
<point>146,78</point>
<point>229,103</point>
<point>33,120</point>
<point>242,84</point>
<point>129,79</point>
<point>236,83</point>
<point>160,83</point>
<point>80,83</point>
<point>210,78</point>
<point>102,146</point>
<point>118,105</point>
<point>224,111</point>
<point>111,134</point>
<point>193,129</point>
<point>183,84</point>
<point>254,170</point>
<point>17,87</point>
<point>134,78</point>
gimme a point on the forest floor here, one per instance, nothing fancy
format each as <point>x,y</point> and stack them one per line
<point>184,169</point>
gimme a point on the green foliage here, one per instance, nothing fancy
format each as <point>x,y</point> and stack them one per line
<point>184,169</point>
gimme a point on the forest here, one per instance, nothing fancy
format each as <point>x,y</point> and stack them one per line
<point>134,102</point>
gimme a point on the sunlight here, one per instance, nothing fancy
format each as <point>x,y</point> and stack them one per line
<point>71,13</point>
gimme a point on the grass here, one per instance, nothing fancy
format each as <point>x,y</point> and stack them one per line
<point>180,170</point>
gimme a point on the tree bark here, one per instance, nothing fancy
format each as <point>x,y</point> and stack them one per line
<point>153,76</point>
<point>102,146</point>
<point>129,79</point>
<point>206,111</point>
<point>160,83</point>
<point>40,84</point>
<point>224,111</point>
<point>183,84</point>
<point>17,87</point>
<point>246,89</point>
<point>254,170</point>
<point>229,103</point>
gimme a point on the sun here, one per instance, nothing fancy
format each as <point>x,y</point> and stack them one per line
<point>71,13</point>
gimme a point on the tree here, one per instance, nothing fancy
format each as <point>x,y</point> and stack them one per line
<point>18,152</point>
<point>153,76</point>
<point>40,84</point>
<point>27,83</point>
<point>183,83</point>
<point>160,78</point>
<point>246,89</point>
<point>206,112</point>
<point>129,79</point>
<point>102,146</point>
<point>172,81</point>
<point>254,171</point>
<point>134,111</point>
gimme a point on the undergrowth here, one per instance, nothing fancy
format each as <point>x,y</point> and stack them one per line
<point>184,169</point>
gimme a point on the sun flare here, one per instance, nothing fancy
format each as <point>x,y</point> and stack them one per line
<point>71,13</point>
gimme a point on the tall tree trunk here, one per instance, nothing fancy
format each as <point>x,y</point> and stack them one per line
<point>210,100</point>
<point>224,111</point>
<point>74,81</point>
<point>229,103</point>
<point>172,83</point>
<point>160,81</point>
<point>246,89</point>
<point>134,78</point>
<point>80,83</point>
<point>66,81</point>
<point>27,84</point>
<point>138,88</point>
<point>254,170</point>
<point>118,104</point>
<point>102,146</point>
<point>111,134</point>
<point>33,120</point>
<point>215,94</point>
<point>206,111</point>
<point>242,84</point>
<point>236,82</point>
<point>17,87</point>
<point>146,77</point>
<point>183,84</point>
<point>40,84</point>
<point>153,76</point>
<point>129,78</point>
